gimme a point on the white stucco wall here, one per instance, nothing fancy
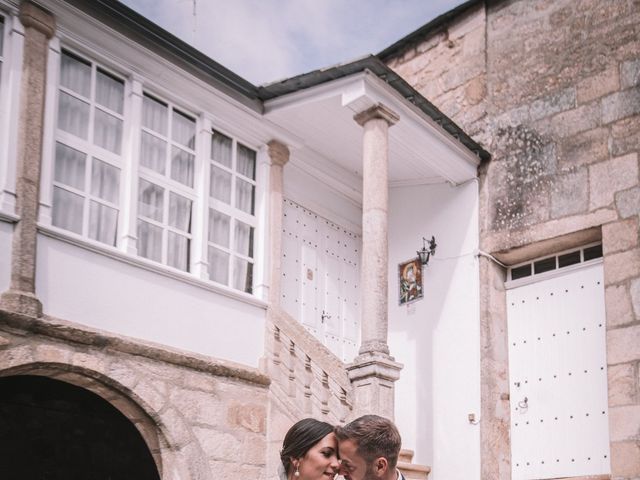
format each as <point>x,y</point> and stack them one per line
<point>6,233</point>
<point>438,338</point>
<point>92,289</point>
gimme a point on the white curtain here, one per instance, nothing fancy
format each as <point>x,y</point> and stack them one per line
<point>73,115</point>
<point>221,149</point>
<point>75,74</point>
<point>109,92</point>
<point>219,228</point>
<point>183,130</point>
<point>220,184</point>
<point>246,162</point>
<point>107,131</point>
<point>218,265</point>
<point>103,223</point>
<point>182,164</point>
<point>245,193</point>
<point>242,275</point>
<point>150,200</point>
<point>178,251</point>
<point>243,235</point>
<point>155,115</point>
<point>153,152</point>
<point>149,241</point>
<point>67,210</point>
<point>180,212</point>
<point>70,166</point>
<point>105,181</point>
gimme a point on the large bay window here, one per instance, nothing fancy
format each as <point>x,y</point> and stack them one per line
<point>86,184</point>
<point>89,161</point>
<point>232,220</point>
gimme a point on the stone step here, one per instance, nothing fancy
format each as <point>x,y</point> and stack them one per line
<point>410,470</point>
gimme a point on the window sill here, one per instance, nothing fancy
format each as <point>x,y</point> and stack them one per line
<point>8,217</point>
<point>149,265</point>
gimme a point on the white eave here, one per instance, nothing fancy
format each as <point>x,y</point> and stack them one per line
<point>420,151</point>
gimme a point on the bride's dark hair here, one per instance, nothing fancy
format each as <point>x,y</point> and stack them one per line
<point>300,438</point>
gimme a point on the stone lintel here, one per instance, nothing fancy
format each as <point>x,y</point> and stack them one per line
<point>34,16</point>
<point>69,332</point>
<point>377,111</point>
<point>278,153</point>
<point>376,365</point>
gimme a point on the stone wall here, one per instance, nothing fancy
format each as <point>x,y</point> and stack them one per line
<point>201,418</point>
<point>552,90</point>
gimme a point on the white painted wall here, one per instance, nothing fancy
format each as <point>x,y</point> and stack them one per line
<point>6,233</point>
<point>317,196</point>
<point>92,289</point>
<point>438,338</point>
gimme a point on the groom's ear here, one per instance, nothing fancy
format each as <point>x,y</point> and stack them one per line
<point>381,465</point>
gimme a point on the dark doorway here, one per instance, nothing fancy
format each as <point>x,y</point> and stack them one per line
<point>52,430</point>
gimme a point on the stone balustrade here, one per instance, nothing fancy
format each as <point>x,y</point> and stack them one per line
<point>307,379</point>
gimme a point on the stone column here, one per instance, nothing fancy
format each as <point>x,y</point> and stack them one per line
<point>279,155</point>
<point>374,371</point>
<point>39,28</point>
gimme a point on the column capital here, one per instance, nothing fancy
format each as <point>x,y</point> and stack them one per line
<point>33,16</point>
<point>377,111</point>
<point>278,152</point>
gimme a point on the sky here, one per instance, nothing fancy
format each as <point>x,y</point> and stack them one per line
<point>268,40</point>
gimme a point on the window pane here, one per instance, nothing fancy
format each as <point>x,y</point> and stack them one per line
<point>218,266</point>
<point>219,228</point>
<point>180,212</point>
<point>153,152</point>
<point>150,200</point>
<point>545,265</point>
<point>107,131</point>
<point>155,115</point>
<point>178,251</point>
<point>149,241</point>
<point>109,91</point>
<point>246,162</point>
<point>73,115</point>
<point>245,193</point>
<point>182,166</point>
<point>183,130</point>
<point>592,252</point>
<point>67,210</point>
<point>105,181</point>
<point>243,238</point>
<point>220,186</point>
<point>221,149</point>
<point>242,275</point>
<point>75,74</point>
<point>70,165</point>
<point>103,223</point>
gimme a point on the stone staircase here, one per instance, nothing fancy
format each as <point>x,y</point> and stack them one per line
<point>308,380</point>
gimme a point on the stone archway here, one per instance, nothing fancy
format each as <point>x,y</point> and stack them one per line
<point>57,430</point>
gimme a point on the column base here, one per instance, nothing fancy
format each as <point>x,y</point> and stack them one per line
<point>373,375</point>
<point>24,303</point>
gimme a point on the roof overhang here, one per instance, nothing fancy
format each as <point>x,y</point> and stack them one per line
<point>421,151</point>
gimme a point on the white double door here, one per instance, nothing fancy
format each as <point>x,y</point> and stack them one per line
<point>320,278</point>
<point>558,376</point>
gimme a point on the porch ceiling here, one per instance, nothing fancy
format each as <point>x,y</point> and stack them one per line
<point>321,119</point>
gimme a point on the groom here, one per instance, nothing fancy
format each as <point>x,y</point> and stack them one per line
<point>369,448</point>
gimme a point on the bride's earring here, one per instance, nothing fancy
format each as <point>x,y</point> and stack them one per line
<point>297,472</point>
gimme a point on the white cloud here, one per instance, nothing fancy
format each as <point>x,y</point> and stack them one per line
<point>268,40</point>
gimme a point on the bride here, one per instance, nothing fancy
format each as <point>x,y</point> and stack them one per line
<point>309,452</point>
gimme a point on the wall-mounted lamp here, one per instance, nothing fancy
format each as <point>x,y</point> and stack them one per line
<point>425,254</point>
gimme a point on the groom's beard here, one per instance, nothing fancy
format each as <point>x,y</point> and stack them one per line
<point>369,473</point>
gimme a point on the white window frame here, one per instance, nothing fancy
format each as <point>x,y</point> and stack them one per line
<point>234,212</point>
<point>166,182</point>
<point>10,81</point>
<point>131,171</point>
<point>87,146</point>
